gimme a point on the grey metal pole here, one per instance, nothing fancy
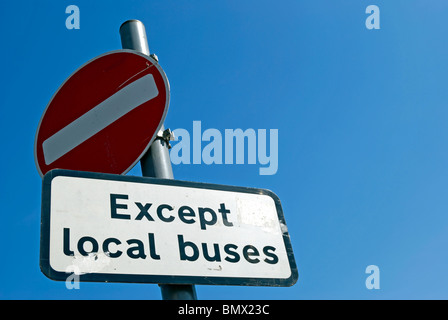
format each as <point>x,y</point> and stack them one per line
<point>156,162</point>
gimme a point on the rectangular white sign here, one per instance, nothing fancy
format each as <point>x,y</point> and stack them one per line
<point>133,229</point>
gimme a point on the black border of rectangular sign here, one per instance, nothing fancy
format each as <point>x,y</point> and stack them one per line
<point>160,279</point>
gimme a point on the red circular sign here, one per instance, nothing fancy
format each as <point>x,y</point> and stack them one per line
<point>104,117</point>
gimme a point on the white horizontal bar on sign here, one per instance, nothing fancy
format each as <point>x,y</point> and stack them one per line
<point>98,118</point>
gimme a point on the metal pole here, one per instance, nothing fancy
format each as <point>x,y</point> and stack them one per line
<point>156,162</point>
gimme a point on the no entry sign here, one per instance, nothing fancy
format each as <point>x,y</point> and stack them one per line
<point>131,229</point>
<point>104,116</point>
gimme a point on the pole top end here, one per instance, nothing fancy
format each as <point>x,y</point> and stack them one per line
<point>131,21</point>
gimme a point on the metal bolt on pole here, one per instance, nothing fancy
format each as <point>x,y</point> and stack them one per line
<point>156,162</point>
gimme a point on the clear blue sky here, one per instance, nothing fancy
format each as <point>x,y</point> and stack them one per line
<point>361,114</point>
